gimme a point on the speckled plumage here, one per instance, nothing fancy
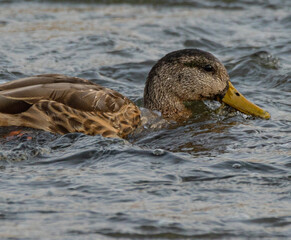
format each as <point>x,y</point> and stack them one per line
<point>61,104</point>
<point>181,77</point>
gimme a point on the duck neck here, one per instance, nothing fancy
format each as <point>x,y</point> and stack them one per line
<point>158,96</point>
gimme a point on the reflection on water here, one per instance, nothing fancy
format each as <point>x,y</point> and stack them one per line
<point>219,175</point>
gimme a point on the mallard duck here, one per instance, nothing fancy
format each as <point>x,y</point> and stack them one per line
<point>62,104</point>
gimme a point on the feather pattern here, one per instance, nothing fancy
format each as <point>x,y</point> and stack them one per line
<point>62,104</point>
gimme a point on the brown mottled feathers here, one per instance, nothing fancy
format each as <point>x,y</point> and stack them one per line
<point>62,104</point>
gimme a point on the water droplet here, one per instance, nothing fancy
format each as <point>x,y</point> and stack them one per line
<point>158,152</point>
<point>236,165</point>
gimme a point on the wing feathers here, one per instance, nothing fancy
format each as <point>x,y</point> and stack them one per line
<point>85,97</point>
<point>41,79</point>
<point>62,104</point>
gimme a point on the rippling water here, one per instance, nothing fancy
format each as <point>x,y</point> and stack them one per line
<point>216,176</point>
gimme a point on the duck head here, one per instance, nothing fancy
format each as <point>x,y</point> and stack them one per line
<point>190,75</point>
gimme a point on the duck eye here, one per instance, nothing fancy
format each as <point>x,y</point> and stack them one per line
<point>208,68</point>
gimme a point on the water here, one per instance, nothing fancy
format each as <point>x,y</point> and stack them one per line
<point>216,176</point>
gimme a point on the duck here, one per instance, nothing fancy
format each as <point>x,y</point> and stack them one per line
<point>62,104</point>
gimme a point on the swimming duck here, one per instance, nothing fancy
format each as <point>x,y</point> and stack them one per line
<point>62,104</point>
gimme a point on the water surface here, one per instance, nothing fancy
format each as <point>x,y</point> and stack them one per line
<point>215,176</point>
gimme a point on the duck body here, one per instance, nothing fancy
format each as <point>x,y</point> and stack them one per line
<point>62,104</point>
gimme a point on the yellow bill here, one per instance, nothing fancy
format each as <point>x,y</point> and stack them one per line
<point>236,100</point>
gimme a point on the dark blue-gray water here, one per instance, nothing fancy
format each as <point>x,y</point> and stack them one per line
<point>216,176</point>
